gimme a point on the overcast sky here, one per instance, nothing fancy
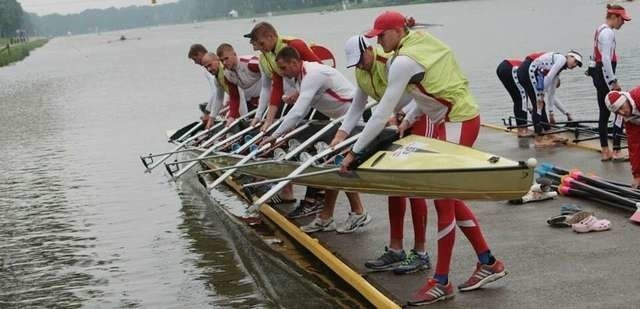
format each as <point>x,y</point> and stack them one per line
<point>43,7</point>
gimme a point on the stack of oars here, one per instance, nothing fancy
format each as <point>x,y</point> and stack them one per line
<point>576,184</point>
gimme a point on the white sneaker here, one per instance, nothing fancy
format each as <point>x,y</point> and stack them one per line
<point>353,222</point>
<point>319,225</point>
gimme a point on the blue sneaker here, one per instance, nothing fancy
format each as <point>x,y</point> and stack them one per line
<point>412,263</point>
<point>388,260</point>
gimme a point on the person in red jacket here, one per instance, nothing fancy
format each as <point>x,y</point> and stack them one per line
<point>626,105</point>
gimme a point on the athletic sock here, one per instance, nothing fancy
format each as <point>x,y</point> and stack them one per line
<point>395,251</point>
<point>486,258</point>
<point>442,279</point>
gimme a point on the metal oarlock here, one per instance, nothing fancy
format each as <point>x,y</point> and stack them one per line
<point>144,161</point>
<point>171,169</point>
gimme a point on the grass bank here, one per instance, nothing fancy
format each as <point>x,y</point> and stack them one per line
<point>17,52</point>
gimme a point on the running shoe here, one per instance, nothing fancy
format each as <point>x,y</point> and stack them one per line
<point>412,263</point>
<point>484,274</point>
<point>432,292</point>
<point>354,222</point>
<point>319,225</point>
<point>305,208</point>
<point>388,260</point>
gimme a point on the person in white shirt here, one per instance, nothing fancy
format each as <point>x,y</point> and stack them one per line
<point>196,52</point>
<point>603,72</point>
<point>330,93</point>
<point>538,75</point>
<point>243,72</point>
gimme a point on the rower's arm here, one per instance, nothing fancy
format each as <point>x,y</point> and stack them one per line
<point>216,104</point>
<point>212,90</point>
<point>309,86</point>
<point>265,91</point>
<point>556,103</point>
<point>412,113</point>
<point>605,46</point>
<point>400,72</point>
<point>550,80</point>
<point>356,109</point>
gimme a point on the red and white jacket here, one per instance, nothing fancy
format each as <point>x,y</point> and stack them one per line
<point>604,51</point>
<point>246,75</point>
<point>632,127</point>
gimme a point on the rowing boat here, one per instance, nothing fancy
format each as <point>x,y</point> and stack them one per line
<point>411,166</point>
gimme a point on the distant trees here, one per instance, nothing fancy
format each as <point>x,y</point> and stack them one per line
<point>170,13</point>
<point>11,17</point>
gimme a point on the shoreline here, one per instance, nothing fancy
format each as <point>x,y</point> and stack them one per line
<point>17,52</point>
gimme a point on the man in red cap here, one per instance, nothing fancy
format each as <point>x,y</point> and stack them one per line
<point>625,104</point>
<point>603,72</point>
<point>426,68</point>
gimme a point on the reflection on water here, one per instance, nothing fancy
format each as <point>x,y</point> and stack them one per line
<point>81,225</point>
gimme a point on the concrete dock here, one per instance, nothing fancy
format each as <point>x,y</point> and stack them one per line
<point>548,267</point>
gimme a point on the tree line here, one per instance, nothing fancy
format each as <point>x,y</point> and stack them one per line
<point>12,16</point>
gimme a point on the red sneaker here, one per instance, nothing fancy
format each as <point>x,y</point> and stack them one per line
<point>484,274</point>
<point>432,292</point>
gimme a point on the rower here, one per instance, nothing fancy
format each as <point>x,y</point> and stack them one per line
<point>425,67</point>
<point>244,73</point>
<point>507,72</point>
<point>370,64</point>
<point>538,74</point>
<point>264,38</point>
<point>196,52</point>
<point>330,93</point>
<point>237,106</point>
<point>627,105</point>
<point>602,69</point>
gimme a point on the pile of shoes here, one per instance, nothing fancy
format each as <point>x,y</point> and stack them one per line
<point>579,220</point>
<point>540,191</point>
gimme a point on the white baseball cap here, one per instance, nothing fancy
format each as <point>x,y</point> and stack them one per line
<point>355,46</point>
<point>576,55</point>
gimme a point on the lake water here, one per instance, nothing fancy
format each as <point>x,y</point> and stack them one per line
<point>82,225</point>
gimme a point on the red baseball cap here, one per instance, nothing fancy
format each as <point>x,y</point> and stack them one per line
<point>385,21</point>
<point>620,12</point>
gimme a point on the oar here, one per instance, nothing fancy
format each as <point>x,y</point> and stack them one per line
<point>167,155</point>
<point>256,152</point>
<point>599,193</point>
<point>577,175</point>
<point>208,151</point>
<point>268,181</point>
<point>291,153</point>
<point>573,192</point>
<point>226,129</point>
<point>185,131</point>
<point>276,188</point>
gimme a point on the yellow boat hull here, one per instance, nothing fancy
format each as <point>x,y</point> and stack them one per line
<point>412,166</point>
